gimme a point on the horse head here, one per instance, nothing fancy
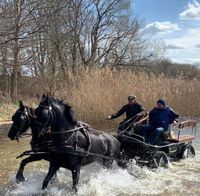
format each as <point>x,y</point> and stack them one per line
<point>55,114</point>
<point>21,121</point>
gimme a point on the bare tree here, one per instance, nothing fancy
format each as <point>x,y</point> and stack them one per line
<point>102,32</point>
<point>15,32</point>
<point>44,38</point>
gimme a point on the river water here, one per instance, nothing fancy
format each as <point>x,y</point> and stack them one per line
<point>181,178</point>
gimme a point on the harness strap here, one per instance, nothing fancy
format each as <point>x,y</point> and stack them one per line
<point>75,131</point>
<point>67,131</point>
<point>88,138</point>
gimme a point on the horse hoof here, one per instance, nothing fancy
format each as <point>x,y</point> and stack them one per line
<point>44,186</point>
<point>20,179</point>
<point>74,189</point>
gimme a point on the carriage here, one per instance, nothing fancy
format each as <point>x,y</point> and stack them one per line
<point>82,145</point>
<point>171,149</point>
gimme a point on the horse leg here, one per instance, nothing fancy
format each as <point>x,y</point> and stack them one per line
<point>107,162</point>
<point>52,170</point>
<point>122,160</point>
<point>75,178</point>
<point>20,175</point>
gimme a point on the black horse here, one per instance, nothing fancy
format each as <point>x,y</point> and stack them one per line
<point>73,146</point>
<point>22,119</point>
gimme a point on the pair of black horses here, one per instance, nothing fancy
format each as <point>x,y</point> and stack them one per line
<point>57,138</point>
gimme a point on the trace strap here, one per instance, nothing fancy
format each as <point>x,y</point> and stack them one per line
<point>68,131</point>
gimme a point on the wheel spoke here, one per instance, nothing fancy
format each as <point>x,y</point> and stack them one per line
<point>160,160</point>
<point>187,152</point>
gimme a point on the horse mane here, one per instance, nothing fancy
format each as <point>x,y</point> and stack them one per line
<point>61,102</point>
<point>68,112</point>
<point>31,112</point>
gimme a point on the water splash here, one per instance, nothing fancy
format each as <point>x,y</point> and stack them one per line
<point>182,178</point>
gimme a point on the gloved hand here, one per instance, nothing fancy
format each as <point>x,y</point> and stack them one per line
<point>175,122</point>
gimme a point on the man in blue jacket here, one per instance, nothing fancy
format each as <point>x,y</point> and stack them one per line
<point>160,118</point>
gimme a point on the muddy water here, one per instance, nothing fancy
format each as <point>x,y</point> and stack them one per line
<point>182,178</point>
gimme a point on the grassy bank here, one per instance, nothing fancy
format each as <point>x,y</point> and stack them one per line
<point>96,93</point>
<point>6,111</point>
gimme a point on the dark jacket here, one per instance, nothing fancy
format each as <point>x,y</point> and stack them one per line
<point>162,118</point>
<point>131,110</point>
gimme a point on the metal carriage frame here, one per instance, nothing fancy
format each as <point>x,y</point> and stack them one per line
<point>153,156</point>
<point>133,146</point>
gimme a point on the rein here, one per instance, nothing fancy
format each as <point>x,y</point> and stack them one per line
<point>48,119</point>
<point>68,131</point>
<point>74,131</point>
<point>130,120</point>
<point>130,124</point>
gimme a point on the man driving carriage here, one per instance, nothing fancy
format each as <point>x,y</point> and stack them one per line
<point>160,118</point>
<point>134,112</point>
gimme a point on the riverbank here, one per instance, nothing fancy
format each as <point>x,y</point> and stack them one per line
<point>5,122</point>
<point>6,112</point>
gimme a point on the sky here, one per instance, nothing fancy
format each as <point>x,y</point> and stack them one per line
<point>174,22</point>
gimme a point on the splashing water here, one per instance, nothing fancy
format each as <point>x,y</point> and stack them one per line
<point>181,178</point>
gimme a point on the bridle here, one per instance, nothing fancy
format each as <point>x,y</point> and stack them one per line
<point>51,119</point>
<point>51,116</point>
<point>46,125</point>
<point>20,133</point>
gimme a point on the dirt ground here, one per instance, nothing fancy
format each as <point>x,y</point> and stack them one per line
<point>5,122</point>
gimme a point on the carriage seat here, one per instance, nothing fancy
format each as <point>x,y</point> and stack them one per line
<point>169,134</point>
<point>182,138</point>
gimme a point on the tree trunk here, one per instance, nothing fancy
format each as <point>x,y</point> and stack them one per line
<point>15,71</point>
<point>14,84</point>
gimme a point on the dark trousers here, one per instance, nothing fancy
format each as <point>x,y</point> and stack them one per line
<point>151,134</point>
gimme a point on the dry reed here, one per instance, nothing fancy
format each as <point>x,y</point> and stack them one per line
<point>97,93</point>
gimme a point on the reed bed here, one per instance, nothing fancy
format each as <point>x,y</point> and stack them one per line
<point>96,93</point>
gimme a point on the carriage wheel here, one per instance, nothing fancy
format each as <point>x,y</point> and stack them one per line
<point>160,159</point>
<point>187,152</point>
